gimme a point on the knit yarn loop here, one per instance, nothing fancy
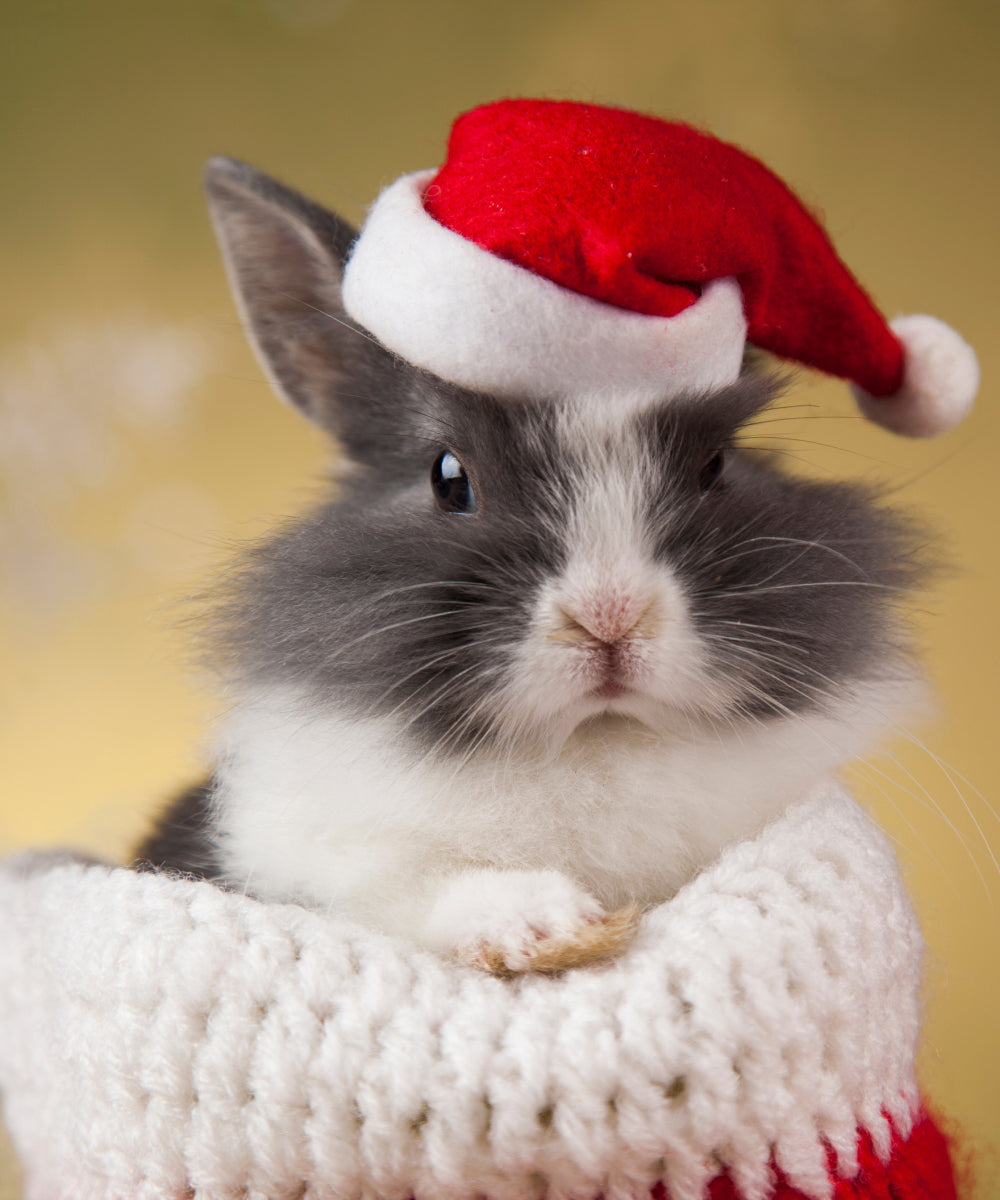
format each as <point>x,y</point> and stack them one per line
<point>161,1037</point>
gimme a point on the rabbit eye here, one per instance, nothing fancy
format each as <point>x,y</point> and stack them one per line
<point>711,471</point>
<point>452,489</point>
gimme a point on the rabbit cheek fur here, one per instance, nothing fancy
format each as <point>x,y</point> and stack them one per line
<point>489,728</point>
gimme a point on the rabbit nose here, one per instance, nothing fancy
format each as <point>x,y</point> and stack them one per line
<point>607,620</point>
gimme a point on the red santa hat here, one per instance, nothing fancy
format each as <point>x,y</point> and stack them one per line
<point>570,249</point>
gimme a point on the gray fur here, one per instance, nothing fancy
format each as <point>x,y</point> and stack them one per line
<point>379,602</point>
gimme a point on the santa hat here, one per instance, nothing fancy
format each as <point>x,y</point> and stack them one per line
<point>569,249</point>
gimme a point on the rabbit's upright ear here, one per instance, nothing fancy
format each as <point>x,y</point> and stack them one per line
<point>285,258</point>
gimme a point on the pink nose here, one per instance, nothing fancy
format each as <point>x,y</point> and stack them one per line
<point>608,619</point>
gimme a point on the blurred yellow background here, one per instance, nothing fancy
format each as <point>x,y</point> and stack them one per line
<point>139,443</point>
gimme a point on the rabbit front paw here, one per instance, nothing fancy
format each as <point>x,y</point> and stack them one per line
<point>513,922</point>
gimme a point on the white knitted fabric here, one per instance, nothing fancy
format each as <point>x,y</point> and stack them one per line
<point>161,1037</point>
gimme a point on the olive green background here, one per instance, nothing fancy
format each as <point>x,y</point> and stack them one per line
<point>139,443</point>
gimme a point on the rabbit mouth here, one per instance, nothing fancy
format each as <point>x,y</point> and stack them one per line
<point>611,670</point>
<point>611,689</point>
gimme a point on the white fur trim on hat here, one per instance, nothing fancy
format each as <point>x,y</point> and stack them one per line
<point>940,380</point>
<point>444,304</point>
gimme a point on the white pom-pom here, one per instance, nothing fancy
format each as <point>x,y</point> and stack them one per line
<point>940,380</point>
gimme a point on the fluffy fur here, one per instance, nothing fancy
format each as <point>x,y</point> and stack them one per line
<point>634,645</point>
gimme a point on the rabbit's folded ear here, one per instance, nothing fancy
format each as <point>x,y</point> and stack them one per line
<point>285,257</point>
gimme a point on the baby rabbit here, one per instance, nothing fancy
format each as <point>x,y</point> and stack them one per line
<point>536,659</point>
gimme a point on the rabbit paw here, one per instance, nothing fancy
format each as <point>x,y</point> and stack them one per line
<point>512,922</point>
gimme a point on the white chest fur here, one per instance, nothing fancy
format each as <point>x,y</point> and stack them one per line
<point>334,812</point>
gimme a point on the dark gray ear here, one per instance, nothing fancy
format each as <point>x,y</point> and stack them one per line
<point>284,257</point>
